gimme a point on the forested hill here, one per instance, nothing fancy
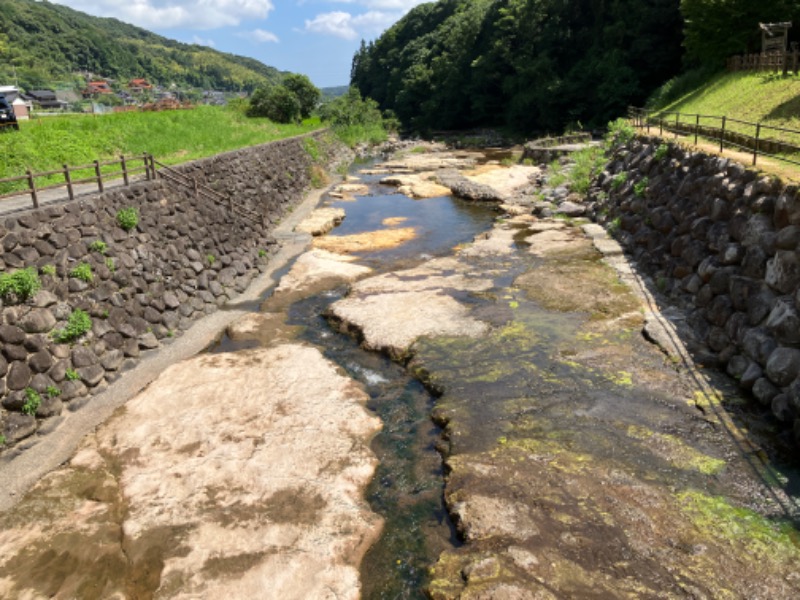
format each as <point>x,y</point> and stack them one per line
<point>541,65</point>
<point>47,42</point>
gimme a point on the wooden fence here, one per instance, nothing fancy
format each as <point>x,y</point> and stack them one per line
<point>757,138</point>
<point>69,176</point>
<point>780,62</point>
<point>124,169</point>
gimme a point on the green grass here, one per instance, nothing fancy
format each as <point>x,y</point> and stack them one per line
<point>769,98</point>
<point>171,136</point>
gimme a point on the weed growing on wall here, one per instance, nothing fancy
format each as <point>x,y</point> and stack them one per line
<point>48,270</point>
<point>19,285</point>
<point>619,180</point>
<point>78,323</point>
<point>82,271</point>
<point>640,187</point>
<point>72,375</point>
<point>32,401</point>
<point>128,218</point>
<point>98,246</point>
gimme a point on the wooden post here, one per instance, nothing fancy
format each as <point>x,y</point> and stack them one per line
<point>696,127</point>
<point>152,166</point>
<point>146,166</point>
<point>68,179</point>
<point>32,186</point>
<point>124,170</point>
<point>755,149</point>
<point>647,120</point>
<point>722,136</point>
<point>99,176</point>
<point>677,120</point>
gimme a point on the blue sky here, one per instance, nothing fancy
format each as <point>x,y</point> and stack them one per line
<point>314,37</point>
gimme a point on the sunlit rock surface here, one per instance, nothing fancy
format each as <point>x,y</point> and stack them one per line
<point>232,476</point>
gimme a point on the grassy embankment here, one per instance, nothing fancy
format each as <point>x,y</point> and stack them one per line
<point>171,137</point>
<point>766,97</point>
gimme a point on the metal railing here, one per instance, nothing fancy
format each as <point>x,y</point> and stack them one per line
<point>100,175</point>
<point>759,139</point>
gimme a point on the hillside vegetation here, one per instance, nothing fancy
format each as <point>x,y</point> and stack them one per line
<point>171,136</point>
<point>47,42</point>
<point>547,65</point>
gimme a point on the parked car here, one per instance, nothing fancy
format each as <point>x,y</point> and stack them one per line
<point>7,116</point>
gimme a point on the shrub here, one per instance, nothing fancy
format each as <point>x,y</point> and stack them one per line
<point>78,323</point>
<point>32,401</point>
<point>619,132</point>
<point>98,246</point>
<point>619,180</point>
<point>276,103</point>
<point>48,270</point>
<point>311,147</point>
<point>53,391</point>
<point>354,119</point>
<point>588,164</point>
<point>661,152</point>
<point>82,271</point>
<point>110,264</point>
<point>2,440</point>
<point>211,259</point>
<point>72,375</point>
<point>19,285</point>
<point>128,218</point>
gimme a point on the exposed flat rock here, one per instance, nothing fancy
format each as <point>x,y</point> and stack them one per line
<point>232,476</point>
<point>421,185</point>
<point>321,221</point>
<point>319,265</point>
<point>391,311</point>
<point>349,191</point>
<point>428,162</point>
<point>506,181</point>
<point>382,239</point>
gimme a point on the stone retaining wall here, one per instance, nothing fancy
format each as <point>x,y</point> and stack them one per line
<point>186,257</point>
<point>723,242</point>
<point>546,149</point>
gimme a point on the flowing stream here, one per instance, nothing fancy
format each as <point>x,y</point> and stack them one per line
<point>512,389</point>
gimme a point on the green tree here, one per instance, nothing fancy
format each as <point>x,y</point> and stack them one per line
<point>307,93</point>
<point>277,103</point>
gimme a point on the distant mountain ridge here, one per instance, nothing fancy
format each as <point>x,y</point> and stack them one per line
<point>42,42</point>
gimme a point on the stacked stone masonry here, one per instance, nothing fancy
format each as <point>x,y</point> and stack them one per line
<point>722,241</point>
<point>186,257</point>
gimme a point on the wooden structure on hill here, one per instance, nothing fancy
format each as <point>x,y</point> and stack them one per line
<point>775,53</point>
<point>774,37</point>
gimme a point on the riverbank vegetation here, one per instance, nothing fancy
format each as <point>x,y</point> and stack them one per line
<point>171,136</point>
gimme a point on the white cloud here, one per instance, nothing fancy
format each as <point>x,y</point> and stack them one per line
<point>196,39</point>
<point>167,14</point>
<point>259,36</point>
<point>349,27</point>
